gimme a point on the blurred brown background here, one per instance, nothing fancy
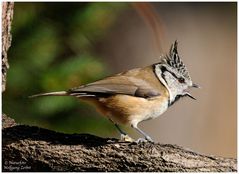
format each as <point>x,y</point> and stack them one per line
<point>140,33</point>
<point>207,35</point>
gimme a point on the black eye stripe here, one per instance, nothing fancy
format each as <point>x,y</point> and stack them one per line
<point>163,69</point>
<point>173,75</point>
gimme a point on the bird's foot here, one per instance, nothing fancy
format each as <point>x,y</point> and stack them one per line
<point>126,138</point>
<point>149,139</point>
<point>143,140</point>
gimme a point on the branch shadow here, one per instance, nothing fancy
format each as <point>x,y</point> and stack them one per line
<point>22,132</point>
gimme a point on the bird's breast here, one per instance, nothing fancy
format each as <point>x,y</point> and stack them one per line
<point>125,109</point>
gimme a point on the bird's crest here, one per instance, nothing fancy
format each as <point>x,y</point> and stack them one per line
<point>174,61</point>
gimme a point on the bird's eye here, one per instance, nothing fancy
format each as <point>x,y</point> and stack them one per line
<point>181,80</point>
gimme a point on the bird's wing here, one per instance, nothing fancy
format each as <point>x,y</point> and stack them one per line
<point>117,85</point>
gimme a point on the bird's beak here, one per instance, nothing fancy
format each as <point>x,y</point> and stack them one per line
<point>195,86</point>
<point>189,95</point>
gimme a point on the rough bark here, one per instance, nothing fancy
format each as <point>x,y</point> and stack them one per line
<point>30,148</point>
<point>7,16</point>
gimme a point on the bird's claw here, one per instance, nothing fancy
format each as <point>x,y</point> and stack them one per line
<point>144,140</point>
<point>149,139</point>
<point>126,138</point>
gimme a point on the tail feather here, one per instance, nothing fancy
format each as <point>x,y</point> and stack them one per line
<point>81,95</point>
<point>59,93</point>
<point>63,93</point>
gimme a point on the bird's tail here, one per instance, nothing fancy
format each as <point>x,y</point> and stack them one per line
<point>59,93</point>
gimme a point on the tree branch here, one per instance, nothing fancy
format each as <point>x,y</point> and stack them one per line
<point>30,148</point>
<point>7,16</point>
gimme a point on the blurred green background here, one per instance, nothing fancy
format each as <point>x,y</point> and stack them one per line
<point>53,49</point>
<point>57,46</point>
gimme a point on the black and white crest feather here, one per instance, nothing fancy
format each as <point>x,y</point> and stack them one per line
<point>175,61</point>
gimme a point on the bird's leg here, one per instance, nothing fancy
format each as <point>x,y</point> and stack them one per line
<point>147,137</point>
<point>118,128</point>
<point>123,135</point>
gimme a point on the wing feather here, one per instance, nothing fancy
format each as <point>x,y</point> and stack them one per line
<point>119,84</point>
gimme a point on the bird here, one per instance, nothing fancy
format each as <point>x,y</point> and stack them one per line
<point>137,95</point>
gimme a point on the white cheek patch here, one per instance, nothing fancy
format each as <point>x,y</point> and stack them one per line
<point>158,73</point>
<point>175,87</point>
